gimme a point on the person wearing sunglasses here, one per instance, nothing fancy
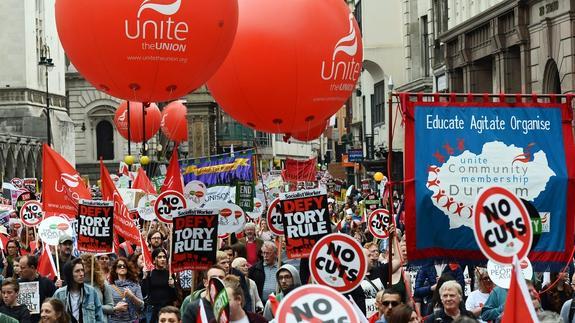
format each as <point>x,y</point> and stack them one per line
<point>126,291</point>
<point>478,297</point>
<point>390,299</point>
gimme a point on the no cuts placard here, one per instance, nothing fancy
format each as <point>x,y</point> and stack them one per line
<point>95,226</point>
<point>502,225</point>
<point>31,213</point>
<point>338,261</point>
<point>167,205</point>
<point>315,303</point>
<point>305,220</point>
<point>378,223</point>
<point>194,238</point>
<point>275,218</point>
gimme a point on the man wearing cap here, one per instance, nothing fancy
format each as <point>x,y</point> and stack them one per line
<point>65,247</point>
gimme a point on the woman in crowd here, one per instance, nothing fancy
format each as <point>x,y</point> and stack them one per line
<point>552,299</point>
<point>451,304</point>
<point>242,265</point>
<point>12,252</point>
<point>157,286</point>
<point>104,264</point>
<point>53,312</point>
<point>137,259</point>
<point>478,297</point>
<point>127,293</point>
<point>27,241</point>
<point>102,288</point>
<point>16,268</point>
<point>403,314</point>
<point>265,233</point>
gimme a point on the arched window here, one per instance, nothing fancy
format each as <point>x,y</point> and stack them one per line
<point>105,140</point>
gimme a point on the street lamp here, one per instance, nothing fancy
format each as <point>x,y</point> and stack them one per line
<point>46,61</point>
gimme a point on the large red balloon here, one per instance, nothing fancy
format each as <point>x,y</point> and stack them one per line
<point>310,134</point>
<point>292,62</point>
<point>174,122</point>
<point>152,121</point>
<point>147,51</point>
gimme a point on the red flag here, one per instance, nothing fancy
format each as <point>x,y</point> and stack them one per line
<point>173,180</point>
<point>300,170</point>
<point>274,304</point>
<point>62,185</point>
<point>519,306</point>
<point>147,255</point>
<point>46,266</point>
<point>143,182</point>
<point>123,223</point>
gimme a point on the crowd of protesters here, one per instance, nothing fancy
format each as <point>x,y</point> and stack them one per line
<point>257,275</point>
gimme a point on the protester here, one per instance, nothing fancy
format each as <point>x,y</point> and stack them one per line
<point>28,241</point>
<point>104,263</point>
<point>493,308</point>
<point>241,264</point>
<point>553,297</point>
<point>390,299</point>
<point>477,298</point>
<point>29,273</point>
<point>127,294</point>
<point>155,240</point>
<point>435,302</point>
<point>250,245</point>
<point>12,252</point>
<point>102,288</point>
<point>169,314</point>
<point>264,271</point>
<point>264,233</point>
<point>223,260</point>
<point>81,300</point>
<point>379,308</point>
<point>288,279</point>
<point>9,305</point>
<point>16,268</point>
<point>236,301</point>
<point>53,311</point>
<point>192,309</point>
<point>426,282</point>
<point>403,314</point>
<point>65,246</point>
<point>158,287</point>
<point>451,301</point>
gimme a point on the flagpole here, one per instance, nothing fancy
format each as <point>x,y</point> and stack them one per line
<point>57,262</point>
<point>171,246</point>
<point>92,272</point>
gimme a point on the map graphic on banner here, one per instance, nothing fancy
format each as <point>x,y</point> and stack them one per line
<point>453,151</point>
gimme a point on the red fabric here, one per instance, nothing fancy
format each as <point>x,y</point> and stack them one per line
<point>46,266</point>
<point>274,304</point>
<point>173,180</point>
<point>3,241</point>
<point>143,183</point>
<point>251,252</point>
<point>62,185</point>
<point>299,170</point>
<point>519,306</point>
<point>374,318</point>
<point>148,261</point>
<point>123,224</point>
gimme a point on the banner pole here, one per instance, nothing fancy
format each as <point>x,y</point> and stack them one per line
<point>170,226</point>
<point>280,252</point>
<point>92,272</point>
<point>26,240</point>
<point>57,261</point>
<point>390,181</point>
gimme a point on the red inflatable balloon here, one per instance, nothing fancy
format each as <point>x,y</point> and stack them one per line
<point>152,120</point>
<point>174,122</point>
<point>147,51</point>
<point>292,62</point>
<point>310,134</point>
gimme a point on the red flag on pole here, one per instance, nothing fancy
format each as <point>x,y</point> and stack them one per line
<point>173,180</point>
<point>62,185</point>
<point>147,255</point>
<point>46,266</point>
<point>519,306</point>
<point>123,223</point>
<point>143,182</point>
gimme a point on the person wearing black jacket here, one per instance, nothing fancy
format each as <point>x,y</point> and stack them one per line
<point>10,306</point>
<point>29,273</point>
<point>158,287</point>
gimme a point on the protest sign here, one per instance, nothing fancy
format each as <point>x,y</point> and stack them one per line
<point>219,300</point>
<point>315,303</point>
<point>146,207</point>
<point>274,217</point>
<point>501,274</point>
<point>372,202</point>
<point>305,220</point>
<point>51,228</point>
<point>194,239</point>
<point>195,193</point>
<point>23,198</point>
<point>31,213</point>
<point>231,217</point>
<point>29,295</point>
<point>167,205</point>
<point>379,222</point>
<point>30,184</point>
<point>245,195</point>
<point>338,261</point>
<point>257,211</point>
<point>95,226</point>
<point>502,225</point>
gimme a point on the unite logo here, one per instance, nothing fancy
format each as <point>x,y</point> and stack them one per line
<point>157,33</point>
<point>346,68</point>
<point>67,184</point>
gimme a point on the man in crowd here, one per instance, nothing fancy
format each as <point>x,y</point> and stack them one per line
<point>390,299</point>
<point>65,247</point>
<point>190,310</point>
<point>169,314</point>
<point>249,246</point>
<point>287,278</point>
<point>29,273</point>
<point>264,271</point>
<point>155,240</point>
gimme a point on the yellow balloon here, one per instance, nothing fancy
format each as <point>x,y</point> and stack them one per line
<point>129,160</point>
<point>378,177</point>
<point>144,160</point>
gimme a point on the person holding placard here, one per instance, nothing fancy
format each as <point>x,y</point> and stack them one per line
<point>29,273</point>
<point>158,287</point>
<point>65,247</point>
<point>10,306</point>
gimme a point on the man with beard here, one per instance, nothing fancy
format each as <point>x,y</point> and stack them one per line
<point>287,279</point>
